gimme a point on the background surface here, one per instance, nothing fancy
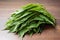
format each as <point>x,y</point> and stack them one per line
<point>9,6</point>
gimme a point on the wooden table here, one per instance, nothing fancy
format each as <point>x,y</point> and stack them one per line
<point>7,7</point>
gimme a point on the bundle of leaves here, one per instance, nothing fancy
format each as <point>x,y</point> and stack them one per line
<point>29,19</point>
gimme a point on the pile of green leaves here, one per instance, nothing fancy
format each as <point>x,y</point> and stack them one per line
<point>29,20</point>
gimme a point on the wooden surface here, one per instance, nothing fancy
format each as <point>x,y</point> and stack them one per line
<point>7,7</point>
